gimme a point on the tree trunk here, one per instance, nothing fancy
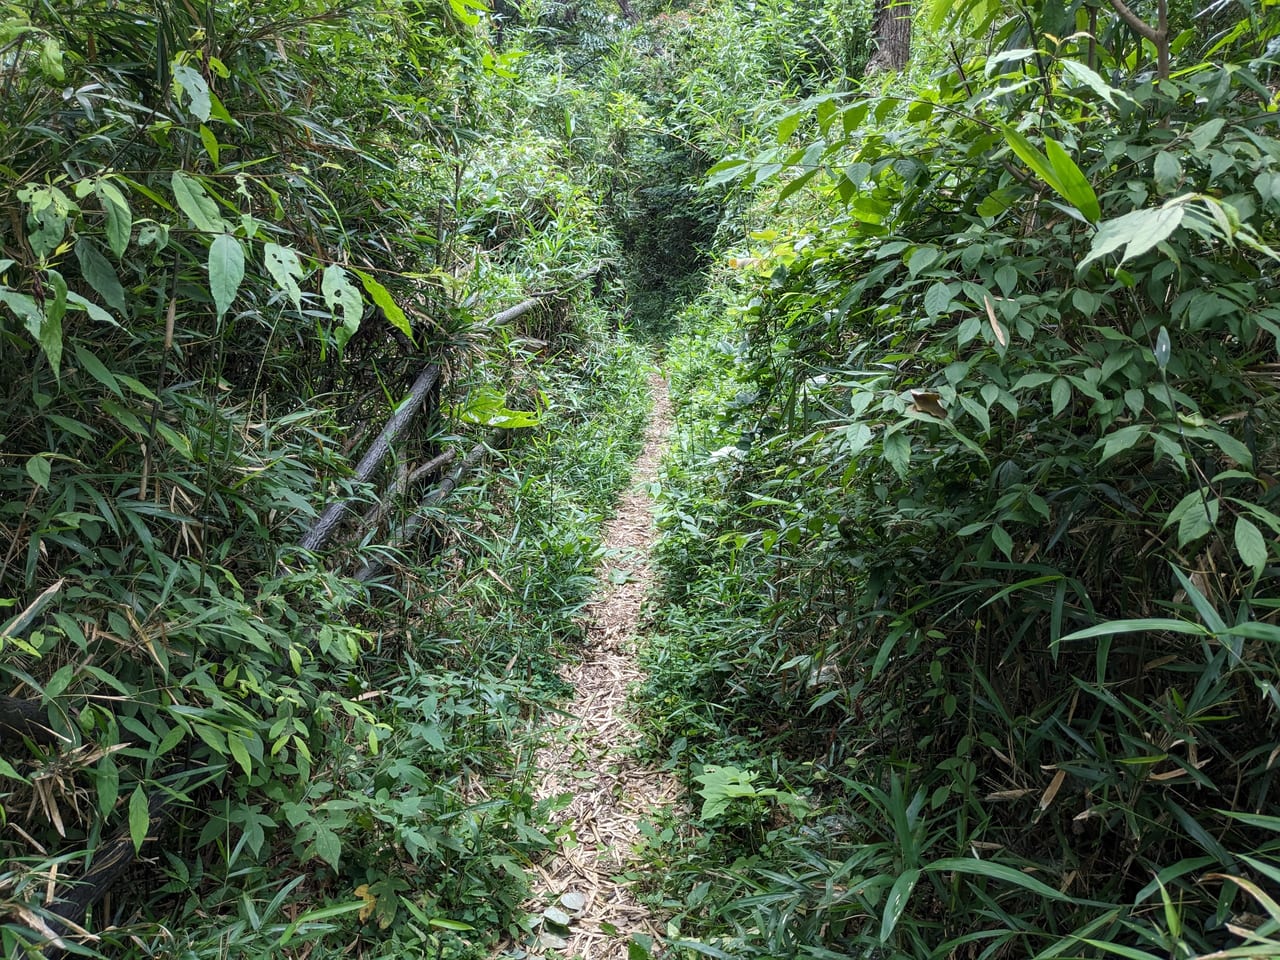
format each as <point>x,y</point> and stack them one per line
<point>892,28</point>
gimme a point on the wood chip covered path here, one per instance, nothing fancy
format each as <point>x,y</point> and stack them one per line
<point>591,753</point>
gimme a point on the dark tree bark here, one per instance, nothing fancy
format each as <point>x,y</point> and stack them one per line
<point>892,28</point>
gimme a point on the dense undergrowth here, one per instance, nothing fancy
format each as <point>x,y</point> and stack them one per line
<point>968,629</point>
<point>234,235</point>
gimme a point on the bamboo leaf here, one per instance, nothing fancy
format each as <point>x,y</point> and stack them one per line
<point>1032,157</point>
<point>997,871</point>
<point>1143,625</point>
<point>1074,186</point>
<point>382,297</point>
<point>139,817</point>
<point>896,902</point>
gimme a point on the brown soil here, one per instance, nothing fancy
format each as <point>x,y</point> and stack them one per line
<point>591,753</point>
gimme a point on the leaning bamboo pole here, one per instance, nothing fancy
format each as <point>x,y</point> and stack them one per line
<point>327,522</point>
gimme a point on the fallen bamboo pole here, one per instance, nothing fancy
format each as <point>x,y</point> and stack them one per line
<point>404,413</point>
<point>324,526</point>
<point>417,519</point>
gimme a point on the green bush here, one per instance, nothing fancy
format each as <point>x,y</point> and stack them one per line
<point>995,552</point>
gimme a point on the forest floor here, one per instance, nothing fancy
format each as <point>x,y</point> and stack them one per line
<point>587,909</point>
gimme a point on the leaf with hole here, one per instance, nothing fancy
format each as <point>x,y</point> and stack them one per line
<point>896,903</point>
<point>285,269</point>
<point>344,302</point>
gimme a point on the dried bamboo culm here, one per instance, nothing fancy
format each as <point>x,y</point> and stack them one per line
<point>415,522</point>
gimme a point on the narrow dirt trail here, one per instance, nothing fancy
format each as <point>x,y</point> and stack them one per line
<point>590,755</point>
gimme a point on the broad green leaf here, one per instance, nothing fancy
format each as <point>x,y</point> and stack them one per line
<point>139,817</point>
<point>119,217</point>
<point>1137,232</point>
<point>1060,394</point>
<point>1073,184</point>
<point>285,268</point>
<point>1083,76</point>
<point>342,297</point>
<point>1206,133</point>
<point>1198,521</point>
<point>153,234</point>
<point>1168,171</point>
<point>196,203</point>
<point>24,308</point>
<point>48,210</point>
<point>997,202</point>
<point>921,259</point>
<point>226,271</point>
<point>896,903</point>
<point>1126,438</point>
<point>186,79</point>
<point>557,916</point>
<point>897,451</point>
<point>937,298</point>
<point>1006,279</point>
<point>382,297</point>
<point>238,752</point>
<point>1251,545</point>
<point>99,274</point>
<point>327,846</point>
<point>51,60</point>
<point>1000,537</point>
<point>720,784</point>
<point>462,9</point>
<point>38,469</point>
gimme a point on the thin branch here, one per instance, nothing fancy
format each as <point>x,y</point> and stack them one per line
<point>1141,26</point>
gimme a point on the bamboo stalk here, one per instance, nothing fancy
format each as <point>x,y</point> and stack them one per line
<point>409,529</point>
<point>405,413</point>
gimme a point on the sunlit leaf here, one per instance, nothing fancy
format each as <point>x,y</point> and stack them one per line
<point>386,303</point>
